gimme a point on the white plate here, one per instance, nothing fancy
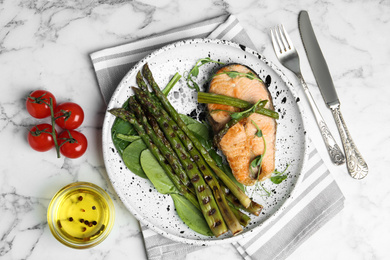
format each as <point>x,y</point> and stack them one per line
<point>156,210</point>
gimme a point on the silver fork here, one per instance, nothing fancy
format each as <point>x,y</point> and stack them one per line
<point>289,58</point>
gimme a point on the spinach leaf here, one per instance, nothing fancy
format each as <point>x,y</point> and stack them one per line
<point>156,174</point>
<point>187,119</point>
<point>128,138</point>
<point>121,127</point>
<point>199,129</point>
<point>131,157</point>
<point>190,215</point>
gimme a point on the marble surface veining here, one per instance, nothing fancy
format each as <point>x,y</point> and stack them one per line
<point>45,44</point>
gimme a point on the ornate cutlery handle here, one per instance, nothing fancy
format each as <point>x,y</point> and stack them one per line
<point>335,153</point>
<point>356,165</point>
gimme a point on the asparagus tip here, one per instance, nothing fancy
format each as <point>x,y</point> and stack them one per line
<point>145,68</point>
<point>136,90</point>
<point>115,111</point>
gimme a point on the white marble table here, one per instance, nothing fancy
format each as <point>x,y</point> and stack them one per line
<point>44,44</point>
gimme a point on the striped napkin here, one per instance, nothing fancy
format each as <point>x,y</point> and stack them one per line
<point>316,200</point>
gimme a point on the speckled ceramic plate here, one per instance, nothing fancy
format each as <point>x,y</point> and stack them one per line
<point>156,210</point>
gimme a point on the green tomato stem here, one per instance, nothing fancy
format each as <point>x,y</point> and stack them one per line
<point>53,129</point>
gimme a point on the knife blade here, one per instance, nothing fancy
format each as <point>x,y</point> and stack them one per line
<point>317,60</point>
<point>356,165</point>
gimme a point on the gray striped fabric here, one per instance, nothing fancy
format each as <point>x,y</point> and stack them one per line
<point>112,64</point>
<point>316,200</point>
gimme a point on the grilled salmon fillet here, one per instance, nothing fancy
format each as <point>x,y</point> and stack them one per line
<point>240,144</point>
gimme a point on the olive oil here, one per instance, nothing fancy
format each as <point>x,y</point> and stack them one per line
<point>81,216</point>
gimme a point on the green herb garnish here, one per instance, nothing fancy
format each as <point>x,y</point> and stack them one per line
<point>267,193</point>
<point>242,114</point>
<point>234,74</point>
<point>238,115</point>
<point>259,159</point>
<point>194,72</point>
<point>278,177</point>
<point>259,133</point>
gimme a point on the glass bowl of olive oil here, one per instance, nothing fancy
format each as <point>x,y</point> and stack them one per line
<point>81,215</point>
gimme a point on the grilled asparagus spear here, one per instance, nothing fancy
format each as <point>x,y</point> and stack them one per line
<point>174,161</point>
<point>206,200</point>
<point>163,145</point>
<point>243,198</point>
<point>226,211</point>
<point>130,117</point>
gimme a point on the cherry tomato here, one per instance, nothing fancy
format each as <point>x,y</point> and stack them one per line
<point>40,138</point>
<point>71,115</point>
<point>72,146</point>
<point>37,103</point>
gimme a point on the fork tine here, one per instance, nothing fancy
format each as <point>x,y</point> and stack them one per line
<point>289,42</point>
<point>283,37</point>
<point>275,44</point>
<point>281,45</point>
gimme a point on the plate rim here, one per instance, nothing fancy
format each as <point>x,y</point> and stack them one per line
<point>136,67</point>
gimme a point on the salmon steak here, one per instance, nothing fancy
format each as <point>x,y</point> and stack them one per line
<point>240,144</point>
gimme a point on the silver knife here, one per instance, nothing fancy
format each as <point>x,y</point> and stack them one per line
<point>356,165</point>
